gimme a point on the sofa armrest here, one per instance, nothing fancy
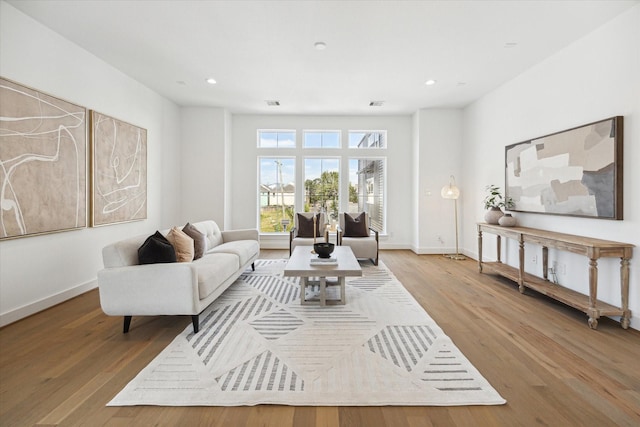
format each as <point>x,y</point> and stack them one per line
<point>246,234</point>
<point>152,289</point>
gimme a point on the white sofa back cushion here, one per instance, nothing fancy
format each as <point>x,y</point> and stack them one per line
<point>125,252</point>
<point>212,233</point>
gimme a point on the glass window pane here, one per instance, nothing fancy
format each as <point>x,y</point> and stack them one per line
<point>277,193</point>
<point>286,139</point>
<point>312,140</point>
<point>322,186</point>
<point>366,189</point>
<point>276,139</point>
<point>321,139</point>
<point>367,139</point>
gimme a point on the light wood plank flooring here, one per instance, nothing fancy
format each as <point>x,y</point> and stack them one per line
<point>61,366</point>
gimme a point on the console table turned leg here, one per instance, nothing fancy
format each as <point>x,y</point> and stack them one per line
<point>479,250</point>
<point>624,293</point>
<point>521,267</point>
<point>545,263</point>
<point>593,293</point>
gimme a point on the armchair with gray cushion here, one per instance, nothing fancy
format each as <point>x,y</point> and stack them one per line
<point>355,231</point>
<point>302,232</point>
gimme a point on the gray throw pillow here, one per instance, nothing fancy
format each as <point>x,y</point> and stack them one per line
<point>355,227</point>
<point>305,226</point>
<point>199,240</point>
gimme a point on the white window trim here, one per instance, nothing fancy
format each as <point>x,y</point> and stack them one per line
<point>386,140</point>
<point>305,131</point>
<point>295,133</point>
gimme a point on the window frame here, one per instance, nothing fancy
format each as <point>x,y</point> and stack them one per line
<point>277,131</point>
<point>380,131</point>
<point>305,132</point>
<point>274,158</point>
<point>339,159</point>
<point>383,225</point>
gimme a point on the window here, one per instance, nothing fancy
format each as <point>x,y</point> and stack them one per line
<point>322,185</point>
<point>277,139</point>
<point>327,172</point>
<point>277,193</point>
<point>368,139</point>
<point>366,189</point>
<point>321,139</point>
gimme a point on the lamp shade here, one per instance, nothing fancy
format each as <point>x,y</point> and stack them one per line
<point>450,191</point>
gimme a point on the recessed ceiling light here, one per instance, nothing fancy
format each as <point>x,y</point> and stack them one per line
<point>211,81</point>
<point>320,45</point>
<point>272,103</point>
<point>510,45</point>
<point>376,103</point>
<point>430,82</point>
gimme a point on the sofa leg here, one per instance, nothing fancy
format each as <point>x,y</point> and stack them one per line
<point>195,319</point>
<point>127,323</point>
<point>253,266</point>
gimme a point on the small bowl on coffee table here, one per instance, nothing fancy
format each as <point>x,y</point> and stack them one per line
<point>323,250</point>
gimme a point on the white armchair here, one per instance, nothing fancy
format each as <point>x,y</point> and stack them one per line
<point>355,231</point>
<point>302,234</point>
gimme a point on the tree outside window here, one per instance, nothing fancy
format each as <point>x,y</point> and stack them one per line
<point>322,186</point>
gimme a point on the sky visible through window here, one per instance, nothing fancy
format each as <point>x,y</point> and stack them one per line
<point>269,173</point>
<point>277,139</point>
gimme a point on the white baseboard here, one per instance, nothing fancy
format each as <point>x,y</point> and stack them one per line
<point>48,302</point>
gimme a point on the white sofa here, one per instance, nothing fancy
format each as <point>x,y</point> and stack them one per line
<point>181,288</point>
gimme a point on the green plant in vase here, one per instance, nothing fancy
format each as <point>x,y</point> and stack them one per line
<point>494,202</point>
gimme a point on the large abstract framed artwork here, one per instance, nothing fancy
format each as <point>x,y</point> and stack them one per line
<point>43,174</point>
<point>577,172</point>
<point>119,184</point>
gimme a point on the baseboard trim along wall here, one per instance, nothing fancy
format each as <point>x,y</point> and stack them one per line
<point>45,303</point>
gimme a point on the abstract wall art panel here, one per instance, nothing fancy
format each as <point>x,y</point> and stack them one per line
<point>577,172</point>
<point>119,185</point>
<point>43,178</point>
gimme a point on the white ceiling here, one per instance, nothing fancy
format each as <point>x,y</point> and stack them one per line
<point>376,50</point>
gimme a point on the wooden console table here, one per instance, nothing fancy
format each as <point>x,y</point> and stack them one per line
<point>589,247</point>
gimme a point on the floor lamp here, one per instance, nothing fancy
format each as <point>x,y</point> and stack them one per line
<point>452,192</point>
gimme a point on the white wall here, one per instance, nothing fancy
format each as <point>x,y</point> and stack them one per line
<point>399,175</point>
<point>37,272</point>
<point>204,151</point>
<point>438,135</point>
<point>594,78</point>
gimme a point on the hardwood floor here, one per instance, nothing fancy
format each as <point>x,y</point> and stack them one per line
<point>61,366</point>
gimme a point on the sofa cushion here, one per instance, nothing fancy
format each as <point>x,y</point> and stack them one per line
<point>182,243</point>
<point>211,231</point>
<point>213,270</point>
<point>243,249</point>
<point>355,227</point>
<point>156,249</point>
<point>305,225</point>
<point>199,242</point>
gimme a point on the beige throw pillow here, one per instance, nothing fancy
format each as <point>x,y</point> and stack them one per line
<point>182,243</point>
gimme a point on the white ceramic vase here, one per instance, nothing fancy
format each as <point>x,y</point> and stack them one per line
<point>493,215</point>
<point>507,220</point>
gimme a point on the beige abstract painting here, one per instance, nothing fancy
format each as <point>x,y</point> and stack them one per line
<point>43,161</point>
<point>119,185</point>
<point>576,172</point>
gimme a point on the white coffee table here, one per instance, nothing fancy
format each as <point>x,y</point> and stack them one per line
<point>299,266</point>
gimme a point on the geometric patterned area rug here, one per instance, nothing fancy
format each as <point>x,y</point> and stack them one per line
<point>258,345</point>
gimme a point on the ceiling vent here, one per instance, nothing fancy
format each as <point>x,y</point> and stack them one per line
<point>376,103</point>
<point>272,103</point>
